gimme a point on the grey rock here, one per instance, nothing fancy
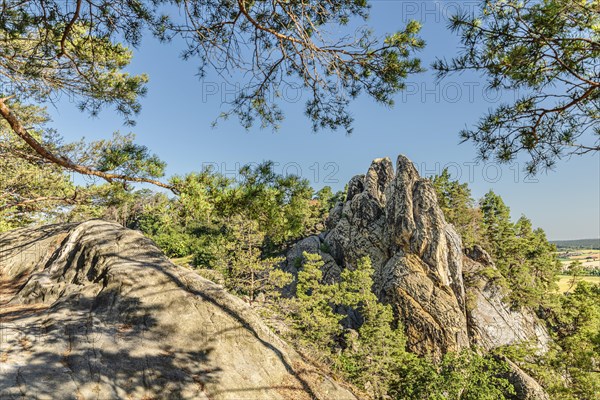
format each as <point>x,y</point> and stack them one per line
<point>311,244</point>
<point>294,260</point>
<point>378,178</point>
<point>400,223</point>
<point>432,317</point>
<point>526,388</point>
<point>355,186</point>
<point>416,255</point>
<point>334,217</point>
<point>96,311</point>
<point>394,218</point>
<point>492,323</point>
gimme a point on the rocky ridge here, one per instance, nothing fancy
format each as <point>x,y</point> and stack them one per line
<point>95,311</point>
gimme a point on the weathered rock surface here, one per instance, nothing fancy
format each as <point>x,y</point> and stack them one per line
<point>96,311</point>
<point>526,388</point>
<point>492,323</point>
<point>393,218</point>
<point>420,265</point>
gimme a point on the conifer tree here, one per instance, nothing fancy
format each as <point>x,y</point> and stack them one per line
<point>370,359</point>
<point>246,271</point>
<point>548,52</point>
<point>498,229</point>
<point>458,207</point>
<point>313,315</point>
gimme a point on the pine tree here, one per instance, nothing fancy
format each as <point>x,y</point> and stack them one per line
<point>458,207</point>
<point>370,358</point>
<point>82,50</point>
<point>498,230</point>
<point>548,52</point>
<point>313,316</point>
<point>523,256</point>
<point>246,271</point>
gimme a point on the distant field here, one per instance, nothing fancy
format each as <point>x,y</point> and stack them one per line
<point>590,259</point>
<point>564,281</point>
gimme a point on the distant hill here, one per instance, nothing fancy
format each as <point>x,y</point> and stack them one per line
<point>577,244</point>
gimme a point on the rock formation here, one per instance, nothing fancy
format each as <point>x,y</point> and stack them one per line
<point>96,311</point>
<point>420,264</point>
<point>526,388</point>
<point>492,323</point>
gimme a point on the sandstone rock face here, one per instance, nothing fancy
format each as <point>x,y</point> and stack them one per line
<point>96,311</point>
<point>526,388</point>
<point>393,217</point>
<point>492,323</point>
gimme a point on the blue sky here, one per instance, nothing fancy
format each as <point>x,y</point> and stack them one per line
<point>175,123</point>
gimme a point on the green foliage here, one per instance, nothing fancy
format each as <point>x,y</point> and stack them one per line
<point>323,201</point>
<point>244,269</point>
<point>280,203</point>
<point>457,204</point>
<point>525,259</point>
<point>548,51</point>
<point>577,330</point>
<point>374,357</point>
<point>34,189</point>
<point>30,189</point>
<point>523,256</point>
<point>371,357</point>
<point>52,47</point>
<point>198,222</point>
<point>577,244</point>
<point>121,155</point>
<point>46,54</point>
<point>569,370</point>
<point>313,315</point>
<point>460,376</point>
<point>498,230</point>
<point>366,357</point>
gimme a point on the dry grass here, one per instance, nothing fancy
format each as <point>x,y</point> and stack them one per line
<point>565,281</point>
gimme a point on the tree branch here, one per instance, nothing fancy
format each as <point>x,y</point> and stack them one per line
<point>65,162</point>
<point>68,28</point>
<point>69,200</point>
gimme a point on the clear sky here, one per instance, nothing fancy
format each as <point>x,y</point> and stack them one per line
<point>175,123</point>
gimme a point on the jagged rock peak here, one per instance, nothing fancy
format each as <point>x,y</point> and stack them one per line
<point>394,218</point>
<point>378,178</point>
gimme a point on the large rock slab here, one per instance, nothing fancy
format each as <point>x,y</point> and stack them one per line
<point>96,311</point>
<point>492,323</point>
<point>526,388</point>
